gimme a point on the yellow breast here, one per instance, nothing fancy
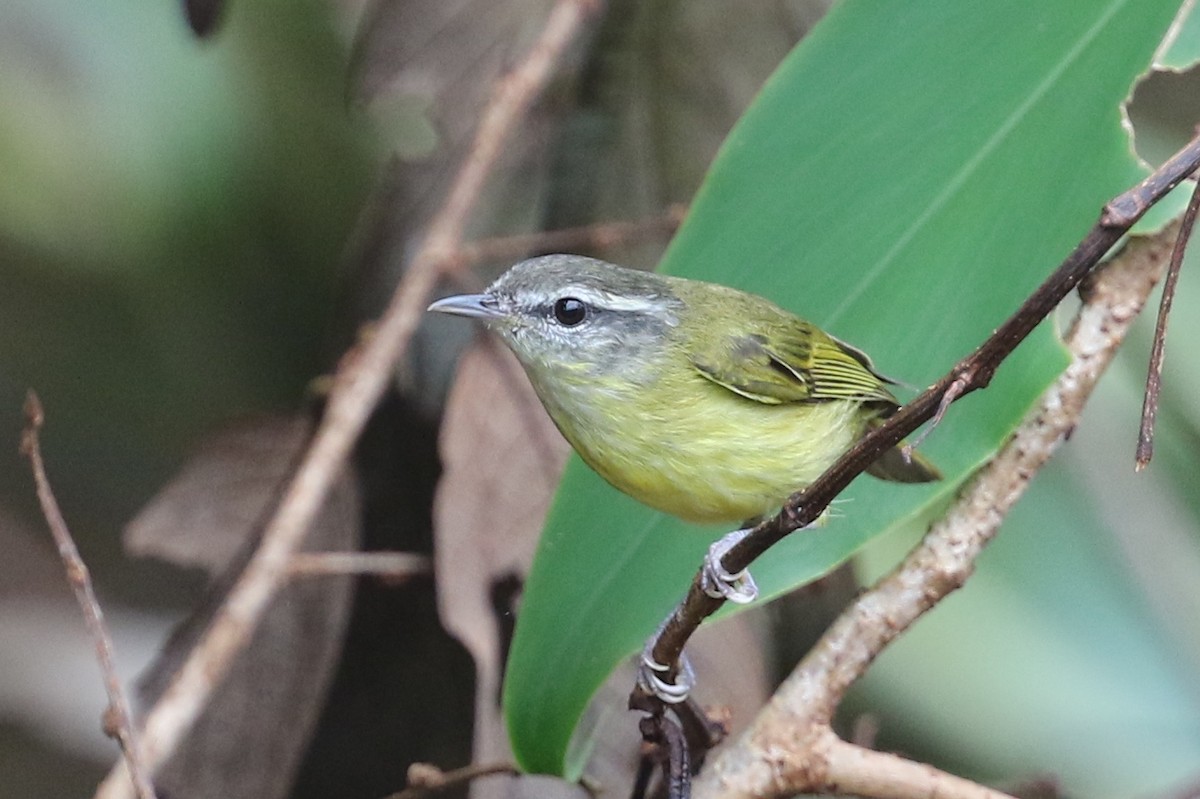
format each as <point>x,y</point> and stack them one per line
<point>703,454</point>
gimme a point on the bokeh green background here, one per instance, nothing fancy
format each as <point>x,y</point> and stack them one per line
<point>172,216</point>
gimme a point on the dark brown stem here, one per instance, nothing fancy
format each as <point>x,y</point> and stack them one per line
<point>660,730</point>
<point>971,373</point>
<point>599,236</point>
<point>1145,444</point>
<point>701,730</point>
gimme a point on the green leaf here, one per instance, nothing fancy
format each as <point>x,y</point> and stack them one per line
<point>906,177</point>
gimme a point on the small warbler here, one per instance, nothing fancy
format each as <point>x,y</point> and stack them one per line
<point>697,399</point>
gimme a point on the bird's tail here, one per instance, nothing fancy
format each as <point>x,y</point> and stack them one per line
<point>899,466</point>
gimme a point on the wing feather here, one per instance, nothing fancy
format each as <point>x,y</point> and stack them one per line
<point>791,362</point>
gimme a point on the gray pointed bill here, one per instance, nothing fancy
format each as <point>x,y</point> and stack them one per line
<point>479,306</point>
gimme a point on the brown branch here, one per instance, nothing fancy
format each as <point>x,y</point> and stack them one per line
<point>357,387</point>
<point>856,771</point>
<point>971,373</point>
<point>118,717</point>
<point>1145,444</point>
<point>389,565</point>
<point>671,749</point>
<point>790,748</point>
<point>425,779</point>
<point>599,236</point>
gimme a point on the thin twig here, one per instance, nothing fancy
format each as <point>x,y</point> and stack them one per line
<point>970,374</point>
<point>425,779</point>
<point>599,236</point>
<point>790,747</point>
<point>1145,444</point>
<point>357,387</point>
<point>118,717</point>
<point>389,565</point>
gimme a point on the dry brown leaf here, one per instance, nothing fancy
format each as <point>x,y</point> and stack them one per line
<point>489,507</point>
<point>249,741</point>
<point>207,513</point>
<point>502,458</point>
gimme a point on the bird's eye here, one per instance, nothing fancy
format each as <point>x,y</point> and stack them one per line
<point>569,311</point>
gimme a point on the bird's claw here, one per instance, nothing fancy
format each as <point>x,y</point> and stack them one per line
<point>648,678</point>
<point>717,582</point>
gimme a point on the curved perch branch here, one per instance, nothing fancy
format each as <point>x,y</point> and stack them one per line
<point>971,373</point>
<point>790,748</point>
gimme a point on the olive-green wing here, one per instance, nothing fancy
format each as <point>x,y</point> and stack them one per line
<point>790,363</point>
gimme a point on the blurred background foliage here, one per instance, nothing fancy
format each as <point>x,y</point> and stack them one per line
<point>171,222</point>
<point>173,217</point>
<point>190,232</point>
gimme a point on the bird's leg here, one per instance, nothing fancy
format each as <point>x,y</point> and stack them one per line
<point>717,582</point>
<point>649,669</point>
<point>654,678</point>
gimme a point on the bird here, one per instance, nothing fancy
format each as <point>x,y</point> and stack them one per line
<point>700,400</point>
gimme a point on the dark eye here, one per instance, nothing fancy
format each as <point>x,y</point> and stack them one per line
<point>569,311</point>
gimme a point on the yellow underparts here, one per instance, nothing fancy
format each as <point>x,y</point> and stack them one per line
<point>716,458</point>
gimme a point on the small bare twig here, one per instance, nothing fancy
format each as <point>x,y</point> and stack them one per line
<point>357,387</point>
<point>600,236</point>
<point>425,779</point>
<point>677,741</point>
<point>790,748</point>
<point>1145,444</point>
<point>118,717</point>
<point>388,565</point>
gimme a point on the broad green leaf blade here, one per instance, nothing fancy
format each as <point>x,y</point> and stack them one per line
<point>905,178</point>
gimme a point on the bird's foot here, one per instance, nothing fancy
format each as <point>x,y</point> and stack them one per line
<point>650,681</point>
<point>717,582</point>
